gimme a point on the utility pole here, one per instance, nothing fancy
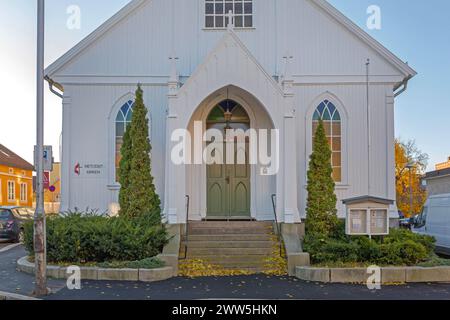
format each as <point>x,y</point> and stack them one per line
<point>411,201</point>
<point>410,167</point>
<point>39,217</point>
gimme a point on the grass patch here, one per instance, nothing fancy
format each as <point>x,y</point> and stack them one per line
<point>435,261</point>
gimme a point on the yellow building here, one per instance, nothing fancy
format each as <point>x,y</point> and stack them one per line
<point>16,179</point>
<point>52,195</point>
<point>442,166</point>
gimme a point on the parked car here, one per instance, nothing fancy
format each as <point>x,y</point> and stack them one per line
<point>406,223</point>
<point>435,221</point>
<point>11,222</point>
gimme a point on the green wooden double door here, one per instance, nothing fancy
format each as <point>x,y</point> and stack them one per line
<point>228,188</point>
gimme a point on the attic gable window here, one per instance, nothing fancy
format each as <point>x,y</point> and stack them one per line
<point>216,13</point>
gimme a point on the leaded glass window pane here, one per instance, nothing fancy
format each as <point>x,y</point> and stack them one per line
<point>329,114</point>
<point>123,120</point>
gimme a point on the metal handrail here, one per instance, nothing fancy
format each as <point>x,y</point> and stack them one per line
<point>280,241</point>
<point>186,234</point>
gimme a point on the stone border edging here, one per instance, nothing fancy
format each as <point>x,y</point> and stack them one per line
<point>95,273</point>
<point>388,275</point>
<point>6,296</point>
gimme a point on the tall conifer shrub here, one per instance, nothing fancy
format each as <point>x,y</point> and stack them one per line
<point>321,206</point>
<point>140,196</point>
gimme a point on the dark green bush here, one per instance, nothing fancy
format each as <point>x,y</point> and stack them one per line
<point>84,238</point>
<point>401,247</point>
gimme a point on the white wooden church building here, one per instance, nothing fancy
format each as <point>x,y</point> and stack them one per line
<point>267,64</point>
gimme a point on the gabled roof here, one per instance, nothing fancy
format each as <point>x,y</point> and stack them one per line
<point>94,36</point>
<point>231,36</point>
<point>10,159</point>
<point>368,199</point>
<point>407,71</point>
<point>365,37</point>
<point>437,174</point>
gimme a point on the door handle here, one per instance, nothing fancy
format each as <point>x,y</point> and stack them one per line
<point>227,179</point>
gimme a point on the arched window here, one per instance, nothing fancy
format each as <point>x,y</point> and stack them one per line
<point>331,118</point>
<point>123,120</point>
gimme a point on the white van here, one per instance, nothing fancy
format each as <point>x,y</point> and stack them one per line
<point>435,221</point>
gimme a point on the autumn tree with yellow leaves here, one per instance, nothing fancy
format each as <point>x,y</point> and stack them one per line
<point>410,166</point>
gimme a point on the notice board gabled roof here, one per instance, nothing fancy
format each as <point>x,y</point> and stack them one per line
<point>368,199</point>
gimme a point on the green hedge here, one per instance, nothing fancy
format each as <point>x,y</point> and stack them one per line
<point>87,238</point>
<point>401,247</point>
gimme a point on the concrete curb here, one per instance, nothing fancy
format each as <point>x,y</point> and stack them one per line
<point>388,275</point>
<point>93,273</point>
<point>14,297</point>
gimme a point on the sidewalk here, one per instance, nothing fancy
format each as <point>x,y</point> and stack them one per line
<point>247,287</point>
<point>241,287</point>
<point>12,281</point>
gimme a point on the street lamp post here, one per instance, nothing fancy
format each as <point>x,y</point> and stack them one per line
<point>410,167</point>
<point>39,217</point>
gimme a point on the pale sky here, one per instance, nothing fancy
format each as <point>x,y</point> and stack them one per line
<point>417,31</point>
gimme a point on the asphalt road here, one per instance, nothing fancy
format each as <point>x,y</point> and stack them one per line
<point>235,288</point>
<point>4,244</point>
<point>16,282</point>
<point>248,287</point>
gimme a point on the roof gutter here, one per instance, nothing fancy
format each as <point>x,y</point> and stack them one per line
<point>52,85</point>
<point>404,84</point>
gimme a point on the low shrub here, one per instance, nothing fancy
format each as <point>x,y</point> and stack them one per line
<point>401,247</point>
<point>84,238</point>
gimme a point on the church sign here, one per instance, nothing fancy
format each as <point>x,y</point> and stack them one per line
<point>89,169</point>
<point>367,216</point>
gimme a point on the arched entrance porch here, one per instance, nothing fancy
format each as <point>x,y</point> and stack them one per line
<point>235,190</point>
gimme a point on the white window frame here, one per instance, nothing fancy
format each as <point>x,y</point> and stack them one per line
<point>13,193</point>
<point>225,14</point>
<point>344,184</point>
<point>23,192</point>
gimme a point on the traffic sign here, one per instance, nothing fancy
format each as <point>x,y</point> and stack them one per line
<point>47,157</point>
<point>46,180</point>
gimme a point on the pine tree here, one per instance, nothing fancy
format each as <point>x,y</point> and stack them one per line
<point>124,172</point>
<point>143,198</point>
<point>321,206</point>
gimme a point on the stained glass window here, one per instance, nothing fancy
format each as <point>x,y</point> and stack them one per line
<point>123,120</point>
<point>331,118</point>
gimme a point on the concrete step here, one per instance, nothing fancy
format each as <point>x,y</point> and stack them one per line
<point>195,252</point>
<point>231,237</point>
<point>229,231</point>
<point>235,260</point>
<point>231,224</point>
<point>228,244</point>
<point>235,245</point>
